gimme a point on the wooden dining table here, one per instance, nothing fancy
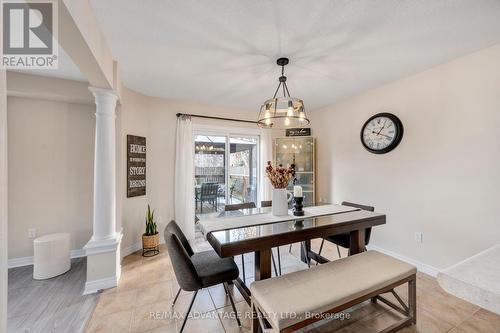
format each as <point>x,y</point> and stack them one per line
<point>261,237</point>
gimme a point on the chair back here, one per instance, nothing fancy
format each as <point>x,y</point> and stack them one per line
<point>368,231</point>
<point>355,205</point>
<point>245,205</point>
<point>180,255</point>
<point>266,203</point>
<point>209,190</point>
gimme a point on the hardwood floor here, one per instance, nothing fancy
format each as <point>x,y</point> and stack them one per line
<point>142,303</point>
<point>53,305</point>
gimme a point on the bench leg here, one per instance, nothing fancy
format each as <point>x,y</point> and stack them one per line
<point>255,320</point>
<point>412,299</point>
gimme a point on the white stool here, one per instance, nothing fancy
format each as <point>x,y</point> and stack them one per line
<point>51,256</point>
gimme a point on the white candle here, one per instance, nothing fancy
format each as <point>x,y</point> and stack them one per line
<point>297,191</point>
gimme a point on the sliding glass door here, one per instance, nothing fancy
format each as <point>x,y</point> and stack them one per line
<point>226,170</point>
<point>243,169</point>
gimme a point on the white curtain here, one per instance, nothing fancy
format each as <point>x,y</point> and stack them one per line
<point>184,184</point>
<point>266,154</point>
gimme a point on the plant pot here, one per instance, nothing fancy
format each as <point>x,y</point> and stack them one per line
<point>150,245</point>
<point>280,202</point>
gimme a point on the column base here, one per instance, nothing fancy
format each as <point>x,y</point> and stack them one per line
<point>103,264</point>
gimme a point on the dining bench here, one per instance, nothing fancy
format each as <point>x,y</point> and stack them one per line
<point>292,301</point>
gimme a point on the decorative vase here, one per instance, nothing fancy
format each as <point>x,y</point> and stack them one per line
<point>280,202</point>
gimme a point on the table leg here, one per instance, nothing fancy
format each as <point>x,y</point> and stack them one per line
<point>357,242</point>
<point>303,254</point>
<point>262,264</point>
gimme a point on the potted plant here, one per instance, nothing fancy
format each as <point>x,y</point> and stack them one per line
<point>280,177</point>
<point>150,238</point>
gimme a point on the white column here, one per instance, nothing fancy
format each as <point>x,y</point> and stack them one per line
<point>103,249</point>
<point>104,165</point>
<point>3,202</point>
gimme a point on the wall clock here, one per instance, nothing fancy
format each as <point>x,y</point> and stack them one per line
<point>382,133</point>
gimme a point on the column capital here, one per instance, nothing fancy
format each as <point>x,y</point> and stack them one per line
<point>102,94</point>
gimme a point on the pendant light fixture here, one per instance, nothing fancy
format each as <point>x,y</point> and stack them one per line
<point>282,112</point>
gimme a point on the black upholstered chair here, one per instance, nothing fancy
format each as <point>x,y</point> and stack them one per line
<point>195,271</point>
<point>249,205</point>
<point>344,240</point>
<point>269,203</point>
<point>245,205</point>
<point>266,203</point>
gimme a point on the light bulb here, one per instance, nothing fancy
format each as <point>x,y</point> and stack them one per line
<point>267,114</point>
<point>267,121</point>
<point>290,109</point>
<point>302,116</point>
<point>287,121</point>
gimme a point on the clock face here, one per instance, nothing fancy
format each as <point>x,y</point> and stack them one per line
<point>382,133</point>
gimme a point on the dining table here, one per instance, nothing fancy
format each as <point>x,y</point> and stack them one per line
<point>257,230</point>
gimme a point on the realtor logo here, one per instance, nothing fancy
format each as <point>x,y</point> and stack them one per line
<point>29,34</point>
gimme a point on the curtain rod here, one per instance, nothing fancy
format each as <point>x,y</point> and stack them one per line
<point>217,118</point>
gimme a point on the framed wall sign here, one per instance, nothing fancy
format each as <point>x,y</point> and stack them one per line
<point>298,132</point>
<point>136,166</point>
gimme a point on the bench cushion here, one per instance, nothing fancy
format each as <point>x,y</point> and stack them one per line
<point>324,287</point>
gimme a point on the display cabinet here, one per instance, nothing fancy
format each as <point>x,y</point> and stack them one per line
<point>301,152</point>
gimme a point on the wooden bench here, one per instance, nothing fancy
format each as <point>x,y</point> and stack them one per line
<point>292,301</point>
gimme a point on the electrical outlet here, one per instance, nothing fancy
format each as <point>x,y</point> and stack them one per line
<point>32,233</point>
<point>419,237</point>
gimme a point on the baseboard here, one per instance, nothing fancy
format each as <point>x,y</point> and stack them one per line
<point>92,287</point>
<point>27,261</point>
<point>135,247</point>
<point>131,249</point>
<point>421,267</point>
<point>78,253</point>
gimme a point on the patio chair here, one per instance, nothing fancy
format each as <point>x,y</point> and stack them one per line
<point>208,193</point>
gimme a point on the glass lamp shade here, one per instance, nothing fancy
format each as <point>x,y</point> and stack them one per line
<point>282,112</point>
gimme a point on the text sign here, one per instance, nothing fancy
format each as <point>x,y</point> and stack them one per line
<point>298,132</point>
<point>136,166</point>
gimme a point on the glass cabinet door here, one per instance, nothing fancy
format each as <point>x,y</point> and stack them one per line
<point>298,151</point>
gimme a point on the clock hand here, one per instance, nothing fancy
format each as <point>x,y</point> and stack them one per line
<point>387,136</point>
<point>382,128</point>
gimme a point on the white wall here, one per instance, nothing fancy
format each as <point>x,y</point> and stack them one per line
<point>155,118</point>
<point>51,140</point>
<point>443,179</point>
<point>51,149</point>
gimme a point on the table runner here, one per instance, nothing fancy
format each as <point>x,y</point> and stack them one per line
<point>232,222</point>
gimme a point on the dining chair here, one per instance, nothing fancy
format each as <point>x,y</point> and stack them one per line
<point>249,205</point>
<point>269,203</point>
<point>195,271</point>
<point>344,240</point>
<point>266,203</point>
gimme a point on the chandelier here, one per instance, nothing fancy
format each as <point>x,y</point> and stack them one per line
<point>282,112</point>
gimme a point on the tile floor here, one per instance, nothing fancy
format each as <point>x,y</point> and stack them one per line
<point>142,303</point>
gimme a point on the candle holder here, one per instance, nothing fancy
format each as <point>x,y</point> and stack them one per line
<point>297,206</point>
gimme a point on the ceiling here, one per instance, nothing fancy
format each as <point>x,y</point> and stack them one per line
<point>66,68</point>
<point>223,52</point>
